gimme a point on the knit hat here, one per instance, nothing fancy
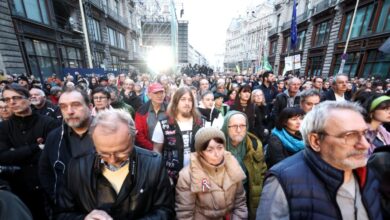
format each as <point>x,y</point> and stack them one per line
<point>205,134</point>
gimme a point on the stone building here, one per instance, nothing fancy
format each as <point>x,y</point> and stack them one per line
<point>323,27</point>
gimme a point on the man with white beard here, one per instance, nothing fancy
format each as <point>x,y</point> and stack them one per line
<point>42,106</point>
<point>329,178</point>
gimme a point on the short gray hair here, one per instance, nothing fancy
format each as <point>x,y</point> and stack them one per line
<point>109,119</point>
<point>314,121</point>
<point>307,93</point>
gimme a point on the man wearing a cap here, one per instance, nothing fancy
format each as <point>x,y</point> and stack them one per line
<point>23,81</point>
<point>149,114</point>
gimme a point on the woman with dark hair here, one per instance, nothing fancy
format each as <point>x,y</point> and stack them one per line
<point>243,104</point>
<point>101,99</point>
<point>211,187</point>
<point>231,96</point>
<point>377,108</point>
<point>285,139</point>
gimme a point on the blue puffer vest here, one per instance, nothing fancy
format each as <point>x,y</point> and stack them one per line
<point>311,185</point>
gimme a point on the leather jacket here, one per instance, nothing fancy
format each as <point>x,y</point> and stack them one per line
<point>146,192</point>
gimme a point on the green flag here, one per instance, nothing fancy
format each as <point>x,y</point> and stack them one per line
<point>266,65</point>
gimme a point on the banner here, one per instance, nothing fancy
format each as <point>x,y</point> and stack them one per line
<point>289,65</point>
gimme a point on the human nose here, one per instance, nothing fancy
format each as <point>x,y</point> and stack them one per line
<point>363,142</point>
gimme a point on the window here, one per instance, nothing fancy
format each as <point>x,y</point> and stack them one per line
<point>363,22</point>
<point>384,19</point>
<point>116,38</point>
<point>99,59</point>
<point>116,7</point>
<point>378,65</point>
<point>95,29</point>
<point>71,57</point>
<point>300,42</point>
<point>322,33</point>
<point>272,47</point>
<point>351,64</point>
<point>315,66</point>
<point>32,9</point>
<point>114,62</point>
<point>42,57</point>
<point>122,43</point>
<point>112,37</point>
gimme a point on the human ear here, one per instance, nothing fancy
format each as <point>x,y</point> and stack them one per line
<point>314,141</point>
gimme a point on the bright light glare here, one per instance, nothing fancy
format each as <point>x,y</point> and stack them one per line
<point>160,58</point>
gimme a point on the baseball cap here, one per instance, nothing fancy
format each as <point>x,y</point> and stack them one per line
<point>155,87</point>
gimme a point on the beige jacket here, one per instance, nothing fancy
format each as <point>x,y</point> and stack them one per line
<point>195,200</point>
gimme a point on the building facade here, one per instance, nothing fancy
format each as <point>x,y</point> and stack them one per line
<point>323,27</point>
<point>246,39</point>
<point>42,37</point>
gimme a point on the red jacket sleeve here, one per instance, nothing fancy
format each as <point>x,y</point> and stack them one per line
<point>142,136</point>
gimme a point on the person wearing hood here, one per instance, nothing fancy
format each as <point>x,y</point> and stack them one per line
<point>213,116</point>
<point>248,150</point>
<point>211,187</point>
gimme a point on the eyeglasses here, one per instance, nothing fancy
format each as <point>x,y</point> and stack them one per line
<point>13,98</point>
<point>3,108</point>
<point>353,137</point>
<point>122,154</point>
<point>98,98</point>
<point>235,127</point>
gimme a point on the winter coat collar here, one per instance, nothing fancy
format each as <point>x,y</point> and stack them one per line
<point>233,173</point>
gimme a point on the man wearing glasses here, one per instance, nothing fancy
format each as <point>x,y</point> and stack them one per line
<point>248,150</point>
<point>120,181</point>
<point>101,99</point>
<point>22,139</point>
<point>329,178</point>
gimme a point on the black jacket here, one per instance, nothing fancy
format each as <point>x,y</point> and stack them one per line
<point>281,103</point>
<point>19,146</point>
<point>329,95</point>
<point>275,151</point>
<point>49,109</point>
<point>54,160</point>
<point>131,99</point>
<point>146,192</point>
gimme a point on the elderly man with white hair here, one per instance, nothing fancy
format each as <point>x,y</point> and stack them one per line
<point>41,105</point>
<point>329,178</point>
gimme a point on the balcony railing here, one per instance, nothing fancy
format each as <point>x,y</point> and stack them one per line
<point>273,31</point>
<point>323,5</point>
<point>111,12</point>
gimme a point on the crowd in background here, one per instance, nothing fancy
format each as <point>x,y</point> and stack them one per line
<point>217,134</point>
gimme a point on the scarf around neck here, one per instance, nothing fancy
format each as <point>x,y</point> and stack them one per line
<point>290,143</point>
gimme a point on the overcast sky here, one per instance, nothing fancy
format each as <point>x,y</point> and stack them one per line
<point>208,22</point>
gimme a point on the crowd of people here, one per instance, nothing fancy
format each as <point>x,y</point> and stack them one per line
<point>215,146</point>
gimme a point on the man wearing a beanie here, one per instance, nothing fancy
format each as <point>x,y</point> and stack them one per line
<point>211,186</point>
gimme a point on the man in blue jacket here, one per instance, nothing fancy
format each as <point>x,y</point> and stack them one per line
<point>329,178</point>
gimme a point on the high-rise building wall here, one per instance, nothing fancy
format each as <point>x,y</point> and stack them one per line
<point>183,42</point>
